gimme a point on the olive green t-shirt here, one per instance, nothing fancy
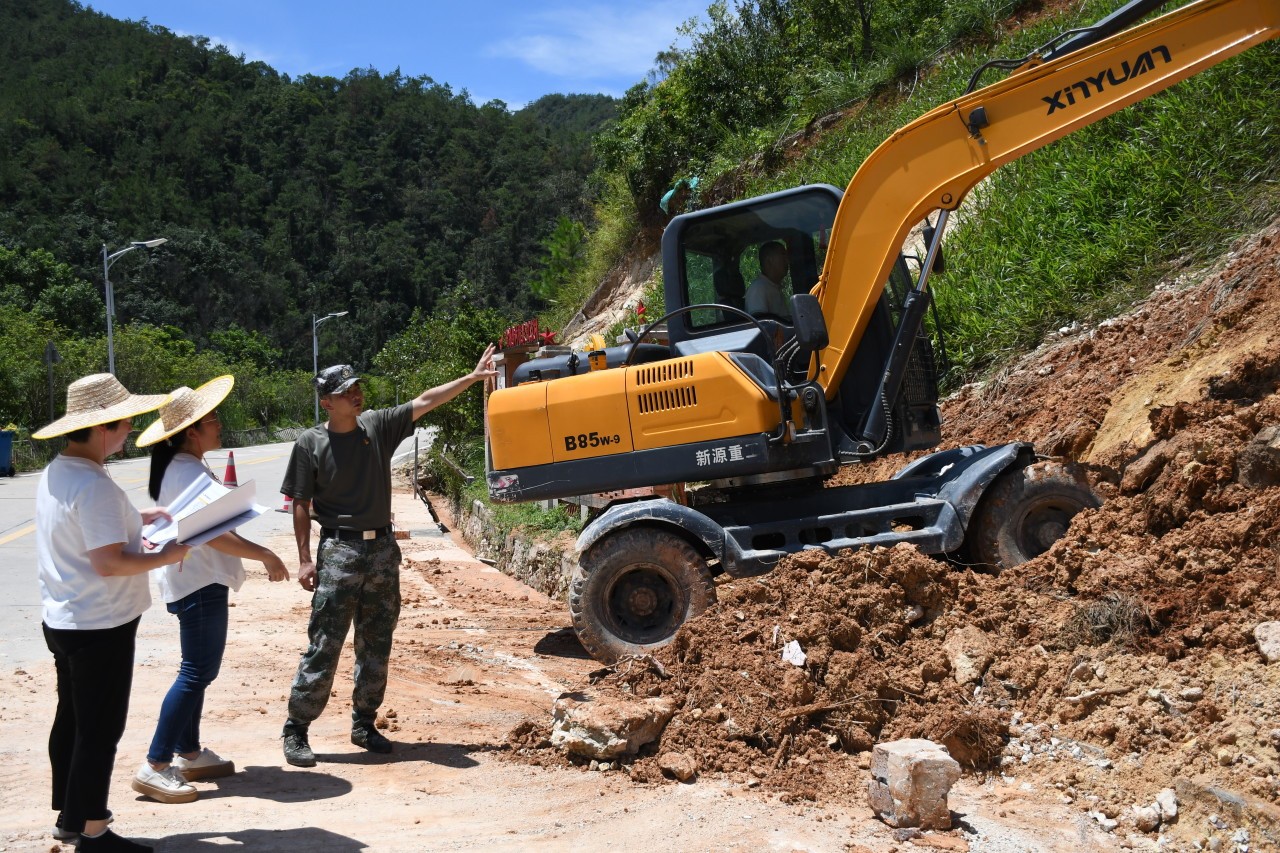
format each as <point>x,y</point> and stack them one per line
<point>347,476</point>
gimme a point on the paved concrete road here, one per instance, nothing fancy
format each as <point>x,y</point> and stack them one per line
<point>20,611</point>
<point>20,637</point>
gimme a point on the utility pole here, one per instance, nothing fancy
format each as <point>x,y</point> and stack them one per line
<point>51,357</point>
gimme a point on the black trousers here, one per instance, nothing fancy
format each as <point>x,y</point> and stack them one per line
<point>95,674</point>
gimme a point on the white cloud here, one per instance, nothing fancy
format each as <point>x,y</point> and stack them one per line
<point>251,53</point>
<point>597,42</point>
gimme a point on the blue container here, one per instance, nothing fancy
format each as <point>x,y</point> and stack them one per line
<point>6,453</point>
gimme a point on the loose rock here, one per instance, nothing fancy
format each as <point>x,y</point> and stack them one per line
<point>678,764</point>
<point>1267,636</point>
<point>1167,800</point>
<point>1259,462</point>
<point>603,728</point>
<point>968,651</point>
<point>1146,818</point>
<point>910,782</point>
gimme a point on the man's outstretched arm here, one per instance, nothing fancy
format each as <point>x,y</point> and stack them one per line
<point>441,394</point>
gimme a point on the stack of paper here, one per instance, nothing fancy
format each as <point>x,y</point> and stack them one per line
<point>205,510</point>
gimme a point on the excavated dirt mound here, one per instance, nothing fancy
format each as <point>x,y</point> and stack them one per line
<point>1120,663</point>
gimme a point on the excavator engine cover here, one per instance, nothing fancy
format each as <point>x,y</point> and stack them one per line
<point>711,412</point>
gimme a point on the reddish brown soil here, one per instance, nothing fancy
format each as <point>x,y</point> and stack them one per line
<point>1119,663</point>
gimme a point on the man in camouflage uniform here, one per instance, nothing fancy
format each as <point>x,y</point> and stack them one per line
<point>343,468</point>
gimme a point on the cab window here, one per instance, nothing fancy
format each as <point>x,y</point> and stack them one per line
<point>720,254</point>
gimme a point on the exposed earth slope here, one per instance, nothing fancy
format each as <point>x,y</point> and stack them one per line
<point>1120,663</point>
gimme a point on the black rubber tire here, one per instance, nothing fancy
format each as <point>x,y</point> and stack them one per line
<point>633,590</point>
<point>1025,511</point>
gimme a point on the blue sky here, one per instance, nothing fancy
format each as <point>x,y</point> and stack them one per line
<point>494,49</point>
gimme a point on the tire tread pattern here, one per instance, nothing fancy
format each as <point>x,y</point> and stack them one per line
<point>611,554</point>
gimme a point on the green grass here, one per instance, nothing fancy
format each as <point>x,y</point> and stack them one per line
<point>612,238</point>
<point>1071,233</point>
<point>1083,227</point>
<point>530,518</point>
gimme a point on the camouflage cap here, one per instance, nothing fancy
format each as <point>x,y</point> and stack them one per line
<point>336,379</point>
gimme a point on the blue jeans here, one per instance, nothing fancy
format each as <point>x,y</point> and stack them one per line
<point>202,620</point>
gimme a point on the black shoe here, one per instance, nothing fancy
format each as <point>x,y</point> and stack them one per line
<point>297,751</point>
<point>368,736</point>
<point>68,836</point>
<point>109,842</point>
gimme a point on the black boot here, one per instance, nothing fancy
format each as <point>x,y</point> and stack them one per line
<point>297,750</point>
<point>365,733</point>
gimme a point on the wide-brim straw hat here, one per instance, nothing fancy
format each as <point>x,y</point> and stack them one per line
<point>99,399</point>
<point>184,407</point>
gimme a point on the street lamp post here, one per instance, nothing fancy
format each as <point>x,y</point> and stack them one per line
<point>315,351</point>
<point>51,357</point>
<point>107,261</point>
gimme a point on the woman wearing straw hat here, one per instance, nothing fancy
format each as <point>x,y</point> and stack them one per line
<point>195,591</point>
<point>93,584</point>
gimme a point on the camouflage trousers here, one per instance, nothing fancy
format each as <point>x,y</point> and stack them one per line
<point>356,581</point>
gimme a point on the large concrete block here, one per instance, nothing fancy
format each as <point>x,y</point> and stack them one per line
<point>910,780</point>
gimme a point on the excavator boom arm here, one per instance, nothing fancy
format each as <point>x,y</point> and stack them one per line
<point>933,162</point>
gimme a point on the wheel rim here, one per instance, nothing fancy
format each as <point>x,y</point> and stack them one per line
<point>1044,523</point>
<point>643,605</point>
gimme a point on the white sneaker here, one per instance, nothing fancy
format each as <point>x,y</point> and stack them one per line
<point>207,765</point>
<point>165,786</point>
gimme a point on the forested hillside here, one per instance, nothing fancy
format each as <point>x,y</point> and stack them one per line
<point>375,193</point>
<point>435,221</point>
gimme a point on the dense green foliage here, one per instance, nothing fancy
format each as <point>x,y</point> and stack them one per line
<point>436,348</point>
<point>1170,179</point>
<point>1062,235</point>
<point>756,73</point>
<point>1181,176</point>
<point>437,222</point>
<point>280,198</point>
<point>564,259</point>
<point>149,359</point>
<point>764,68</point>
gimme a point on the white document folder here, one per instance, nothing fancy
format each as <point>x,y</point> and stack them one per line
<point>205,510</point>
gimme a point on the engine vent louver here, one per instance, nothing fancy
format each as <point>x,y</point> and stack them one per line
<point>665,371</point>
<point>666,399</point>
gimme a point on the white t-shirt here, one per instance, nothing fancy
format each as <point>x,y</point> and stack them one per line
<point>203,565</point>
<point>764,296</point>
<point>80,509</point>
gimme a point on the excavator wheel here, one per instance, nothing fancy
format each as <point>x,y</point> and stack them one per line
<point>633,590</point>
<point>1025,511</point>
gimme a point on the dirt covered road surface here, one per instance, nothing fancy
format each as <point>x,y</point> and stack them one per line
<point>477,655</point>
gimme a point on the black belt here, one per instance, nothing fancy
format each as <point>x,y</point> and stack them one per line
<point>354,535</point>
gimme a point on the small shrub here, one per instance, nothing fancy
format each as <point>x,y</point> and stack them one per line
<point>1117,618</point>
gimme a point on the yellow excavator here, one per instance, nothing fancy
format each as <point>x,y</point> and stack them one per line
<point>759,409</point>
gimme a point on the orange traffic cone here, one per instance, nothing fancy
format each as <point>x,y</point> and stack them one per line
<point>288,504</point>
<point>229,478</point>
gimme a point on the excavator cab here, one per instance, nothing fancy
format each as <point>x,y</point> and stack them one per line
<point>710,259</point>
